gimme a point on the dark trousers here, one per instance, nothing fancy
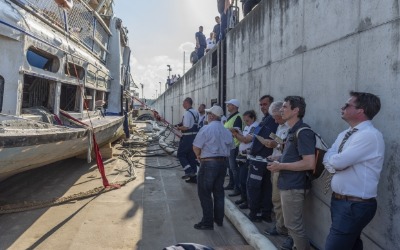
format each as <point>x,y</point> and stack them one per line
<point>200,52</point>
<point>185,154</point>
<point>348,220</point>
<point>234,170</point>
<point>210,188</point>
<point>224,26</point>
<point>259,189</point>
<point>243,174</point>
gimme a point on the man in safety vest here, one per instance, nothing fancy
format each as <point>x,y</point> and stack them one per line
<point>234,121</point>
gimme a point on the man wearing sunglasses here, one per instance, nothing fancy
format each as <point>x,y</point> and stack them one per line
<point>356,159</point>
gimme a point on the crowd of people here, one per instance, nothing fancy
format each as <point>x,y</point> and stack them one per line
<point>269,165</point>
<point>172,80</point>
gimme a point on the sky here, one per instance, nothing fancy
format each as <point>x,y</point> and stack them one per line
<point>159,32</point>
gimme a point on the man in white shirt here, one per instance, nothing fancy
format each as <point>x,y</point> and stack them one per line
<point>356,159</point>
<point>189,129</point>
<point>282,133</point>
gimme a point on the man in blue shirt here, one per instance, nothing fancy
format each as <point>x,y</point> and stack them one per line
<point>298,158</point>
<point>259,185</point>
<point>212,147</point>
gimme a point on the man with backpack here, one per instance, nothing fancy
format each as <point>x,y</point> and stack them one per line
<point>298,158</point>
<point>189,129</point>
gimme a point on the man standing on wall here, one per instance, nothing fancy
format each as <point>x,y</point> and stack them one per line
<point>298,158</point>
<point>201,43</point>
<point>234,121</point>
<point>189,129</point>
<point>259,186</point>
<point>217,29</point>
<point>212,147</point>
<point>356,159</point>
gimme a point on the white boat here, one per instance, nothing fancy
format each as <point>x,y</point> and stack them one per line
<point>60,61</point>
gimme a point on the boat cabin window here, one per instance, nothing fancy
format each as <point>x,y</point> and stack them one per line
<point>38,92</point>
<point>68,101</point>
<point>42,60</point>
<point>1,92</point>
<point>74,70</point>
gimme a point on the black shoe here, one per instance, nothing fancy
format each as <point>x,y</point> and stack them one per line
<point>201,226</point>
<point>235,193</point>
<point>244,205</point>
<point>273,232</point>
<point>238,202</point>
<point>192,180</point>
<point>228,188</point>
<point>266,218</point>
<point>186,177</point>
<point>288,244</point>
<point>253,218</point>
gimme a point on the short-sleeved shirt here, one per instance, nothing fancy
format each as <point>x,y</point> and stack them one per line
<point>217,29</point>
<point>202,38</point>
<point>214,140</point>
<point>264,129</point>
<point>293,151</point>
<point>247,130</point>
<point>189,118</point>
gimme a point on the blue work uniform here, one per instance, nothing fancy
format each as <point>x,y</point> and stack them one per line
<point>185,154</point>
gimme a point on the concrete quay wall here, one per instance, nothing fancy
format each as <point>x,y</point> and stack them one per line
<point>320,50</point>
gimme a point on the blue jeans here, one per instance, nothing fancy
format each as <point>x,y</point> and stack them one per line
<point>234,170</point>
<point>210,180</point>
<point>185,154</point>
<point>348,220</point>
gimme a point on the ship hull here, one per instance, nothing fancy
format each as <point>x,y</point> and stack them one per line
<point>24,150</point>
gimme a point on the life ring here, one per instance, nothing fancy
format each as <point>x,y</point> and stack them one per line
<point>66,4</point>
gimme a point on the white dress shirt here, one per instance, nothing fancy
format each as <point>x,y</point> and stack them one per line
<point>188,118</point>
<point>359,165</point>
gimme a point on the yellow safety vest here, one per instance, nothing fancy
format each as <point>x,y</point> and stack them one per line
<point>229,124</point>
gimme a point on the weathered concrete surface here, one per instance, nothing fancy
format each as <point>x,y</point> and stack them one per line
<point>319,49</point>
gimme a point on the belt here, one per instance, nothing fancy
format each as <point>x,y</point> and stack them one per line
<point>217,158</point>
<point>190,133</point>
<point>350,198</point>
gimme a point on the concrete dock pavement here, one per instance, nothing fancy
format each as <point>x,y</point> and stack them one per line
<point>156,210</point>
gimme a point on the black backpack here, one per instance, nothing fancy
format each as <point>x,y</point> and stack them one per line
<point>320,149</point>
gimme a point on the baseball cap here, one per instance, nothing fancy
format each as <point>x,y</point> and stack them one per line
<point>234,102</point>
<point>216,110</point>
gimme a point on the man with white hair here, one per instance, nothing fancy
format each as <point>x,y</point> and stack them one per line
<point>212,146</point>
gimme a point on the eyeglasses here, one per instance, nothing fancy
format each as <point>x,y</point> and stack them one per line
<point>346,105</point>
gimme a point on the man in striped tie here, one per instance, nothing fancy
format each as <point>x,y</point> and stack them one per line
<point>356,159</point>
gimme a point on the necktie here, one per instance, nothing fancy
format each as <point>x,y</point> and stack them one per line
<point>345,138</point>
